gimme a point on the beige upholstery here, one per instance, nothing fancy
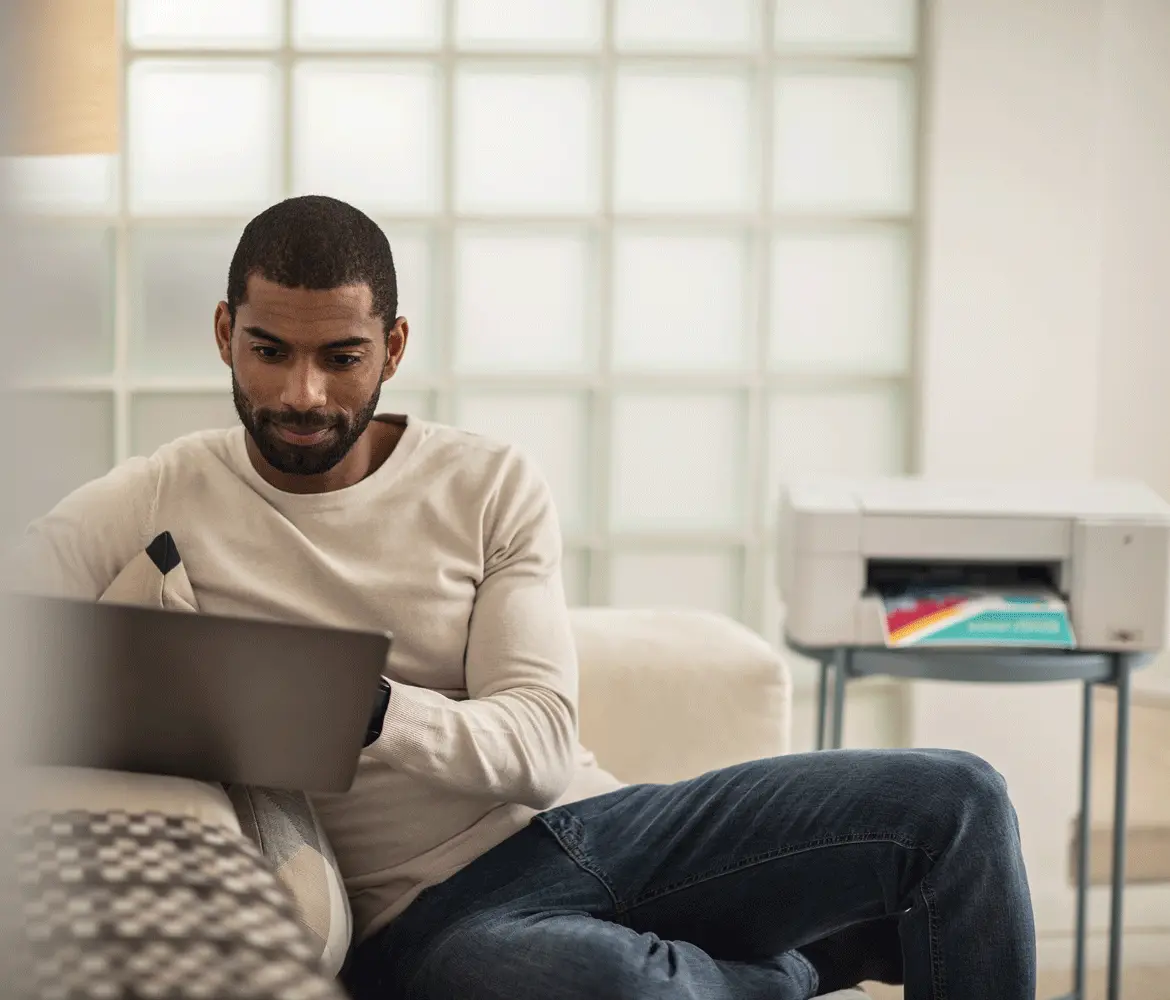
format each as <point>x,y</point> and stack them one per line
<point>62,788</point>
<point>667,695</point>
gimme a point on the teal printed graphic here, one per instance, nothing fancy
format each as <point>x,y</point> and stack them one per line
<point>1008,628</point>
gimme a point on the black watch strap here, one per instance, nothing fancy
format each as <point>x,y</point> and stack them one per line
<point>374,730</point>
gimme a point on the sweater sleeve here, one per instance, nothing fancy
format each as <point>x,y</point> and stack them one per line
<point>82,544</point>
<point>514,739</point>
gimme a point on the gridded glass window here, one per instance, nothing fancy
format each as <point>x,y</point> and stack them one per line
<point>707,580</point>
<point>60,314</point>
<point>368,133</point>
<point>678,461</point>
<point>526,142</point>
<point>345,25</point>
<point>203,136</point>
<point>681,301</point>
<point>687,25</point>
<point>684,142</point>
<point>177,277</point>
<point>844,142</point>
<point>670,258</point>
<point>522,301</point>
<point>528,24</point>
<point>841,302</point>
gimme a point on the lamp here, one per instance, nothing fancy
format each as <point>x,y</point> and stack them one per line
<point>61,78</point>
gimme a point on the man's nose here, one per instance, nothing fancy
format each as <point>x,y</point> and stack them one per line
<point>304,389</point>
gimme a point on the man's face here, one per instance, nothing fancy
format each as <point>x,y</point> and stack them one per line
<point>307,370</point>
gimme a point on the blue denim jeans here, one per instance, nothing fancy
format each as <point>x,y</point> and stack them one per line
<point>714,889</point>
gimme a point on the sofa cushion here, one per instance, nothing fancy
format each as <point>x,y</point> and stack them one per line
<point>50,789</point>
<point>669,694</point>
<point>283,824</point>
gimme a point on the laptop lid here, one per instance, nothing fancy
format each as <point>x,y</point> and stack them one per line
<point>210,697</point>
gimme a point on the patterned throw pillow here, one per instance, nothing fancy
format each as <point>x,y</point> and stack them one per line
<point>283,824</point>
<point>288,832</point>
<point>118,904</point>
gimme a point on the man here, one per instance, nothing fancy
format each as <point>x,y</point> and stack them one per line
<point>486,854</point>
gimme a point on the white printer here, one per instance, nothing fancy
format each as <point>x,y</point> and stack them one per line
<point>1104,547</point>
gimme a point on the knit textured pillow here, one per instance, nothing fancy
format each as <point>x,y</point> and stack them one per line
<point>283,824</point>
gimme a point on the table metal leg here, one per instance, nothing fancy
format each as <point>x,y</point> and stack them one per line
<point>1122,667</point>
<point>822,705</point>
<point>842,663</point>
<point>1084,828</point>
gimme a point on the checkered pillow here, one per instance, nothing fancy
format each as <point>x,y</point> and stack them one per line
<point>118,904</point>
<point>283,824</point>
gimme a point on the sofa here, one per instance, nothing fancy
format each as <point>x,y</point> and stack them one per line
<point>665,695</point>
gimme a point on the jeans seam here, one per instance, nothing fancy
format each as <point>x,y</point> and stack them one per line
<point>758,859</point>
<point>813,976</point>
<point>936,962</point>
<point>579,858</point>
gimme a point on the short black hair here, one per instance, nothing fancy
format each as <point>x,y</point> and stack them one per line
<point>316,242</point>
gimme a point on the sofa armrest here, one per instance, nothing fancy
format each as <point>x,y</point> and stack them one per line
<point>94,790</point>
<point>670,694</point>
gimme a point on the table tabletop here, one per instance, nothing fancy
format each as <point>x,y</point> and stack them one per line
<point>1015,665</point>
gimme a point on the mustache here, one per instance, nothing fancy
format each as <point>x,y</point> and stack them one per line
<point>297,421</point>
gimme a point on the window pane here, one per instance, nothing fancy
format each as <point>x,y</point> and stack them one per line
<point>680,302</point>
<point>60,301</point>
<point>413,402</point>
<point>528,24</point>
<point>367,24</point>
<point>693,25</point>
<point>678,461</point>
<point>177,278</point>
<point>204,24</point>
<point>203,136</point>
<point>550,428</point>
<point>575,571</point>
<point>505,160</point>
<point>77,430</point>
<point>844,143</point>
<point>521,302</point>
<point>828,434</point>
<point>157,418</point>
<point>841,302</point>
<point>414,269</point>
<point>878,27</point>
<point>366,133</point>
<point>72,185</point>
<point>706,580</point>
<point>683,142</point>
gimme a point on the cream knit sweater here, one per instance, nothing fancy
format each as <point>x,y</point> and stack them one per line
<point>453,545</point>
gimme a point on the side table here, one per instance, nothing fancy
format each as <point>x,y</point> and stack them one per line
<point>1011,666</point>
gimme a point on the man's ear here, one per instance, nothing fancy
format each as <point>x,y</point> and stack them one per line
<point>395,347</point>
<point>223,333</point>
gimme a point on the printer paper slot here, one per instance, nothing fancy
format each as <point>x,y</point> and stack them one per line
<point>889,577</point>
<point>970,604</point>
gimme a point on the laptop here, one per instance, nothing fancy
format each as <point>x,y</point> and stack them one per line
<point>210,697</point>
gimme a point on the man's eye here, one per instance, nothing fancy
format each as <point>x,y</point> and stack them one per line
<point>346,360</point>
<point>266,351</point>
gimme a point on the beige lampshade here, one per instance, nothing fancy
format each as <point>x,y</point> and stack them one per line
<point>61,77</point>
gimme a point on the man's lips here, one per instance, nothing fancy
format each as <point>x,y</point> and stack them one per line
<point>307,435</point>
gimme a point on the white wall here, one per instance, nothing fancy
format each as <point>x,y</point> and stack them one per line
<point>1046,344</point>
<point>1133,423</point>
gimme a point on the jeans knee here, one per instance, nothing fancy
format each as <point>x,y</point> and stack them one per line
<point>977,787</point>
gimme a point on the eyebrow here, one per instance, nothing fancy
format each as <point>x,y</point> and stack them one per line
<point>261,334</point>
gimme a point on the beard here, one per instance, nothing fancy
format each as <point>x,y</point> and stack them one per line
<point>295,459</point>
